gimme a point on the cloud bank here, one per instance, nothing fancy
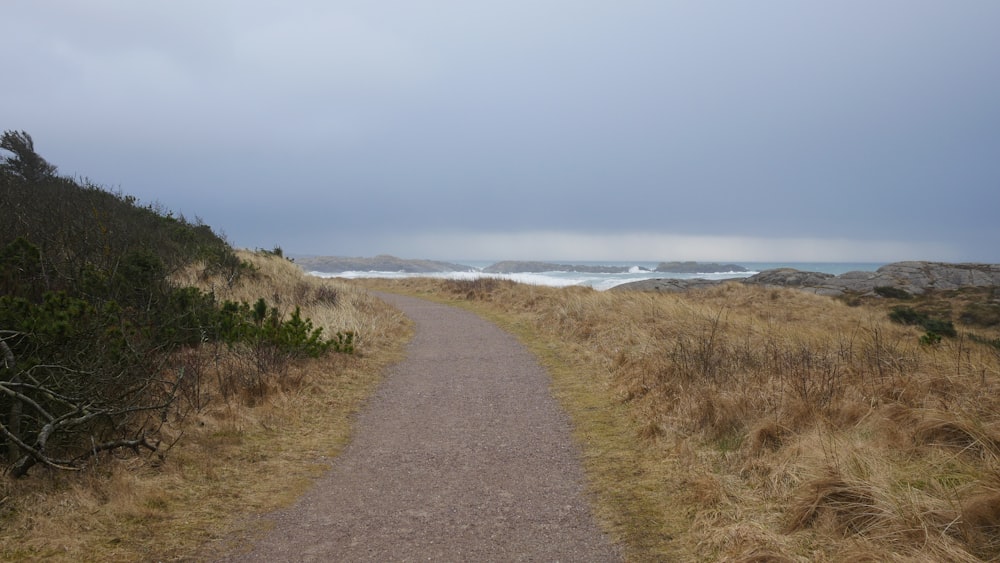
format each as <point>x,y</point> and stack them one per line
<point>849,130</point>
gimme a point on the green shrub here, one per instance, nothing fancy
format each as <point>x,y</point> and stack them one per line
<point>930,338</point>
<point>908,316</point>
<point>940,326</point>
<point>892,292</point>
<point>343,342</point>
<point>88,314</point>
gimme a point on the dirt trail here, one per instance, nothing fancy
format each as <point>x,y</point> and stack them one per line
<point>461,455</point>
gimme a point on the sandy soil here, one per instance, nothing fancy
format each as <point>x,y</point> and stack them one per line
<point>461,455</point>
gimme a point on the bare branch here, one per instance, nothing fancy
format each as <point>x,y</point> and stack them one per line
<point>21,466</point>
<point>18,397</point>
<point>8,356</point>
<point>134,445</point>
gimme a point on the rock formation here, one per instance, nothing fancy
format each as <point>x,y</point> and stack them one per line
<point>913,277</point>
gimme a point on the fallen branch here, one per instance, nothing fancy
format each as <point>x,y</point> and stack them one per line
<point>134,445</point>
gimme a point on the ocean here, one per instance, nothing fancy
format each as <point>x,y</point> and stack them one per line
<point>600,281</point>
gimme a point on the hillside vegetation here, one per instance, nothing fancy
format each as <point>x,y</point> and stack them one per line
<point>156,385</point>
<point>749,424</point>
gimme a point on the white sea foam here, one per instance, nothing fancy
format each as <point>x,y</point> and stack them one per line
<point>521,277</point>
<point>601,281</point>
<point>552,279</point>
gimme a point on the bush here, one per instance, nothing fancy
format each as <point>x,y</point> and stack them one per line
<point>940,326</point>
<point>909,316</point>
<point>930,338</point>
<point>88,313</point>
<point>892,292</point>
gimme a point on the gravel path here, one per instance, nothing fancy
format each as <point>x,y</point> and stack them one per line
<point>461,455</point>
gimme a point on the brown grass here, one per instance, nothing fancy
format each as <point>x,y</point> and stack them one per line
<point>229,457</point>
<point>757,424</point>
<point>728,424</point>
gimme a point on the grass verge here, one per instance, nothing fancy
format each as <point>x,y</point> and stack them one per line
<point>748,424</point>
<point>231,457</point>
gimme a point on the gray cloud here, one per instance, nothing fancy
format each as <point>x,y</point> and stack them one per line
<point>354,127</point>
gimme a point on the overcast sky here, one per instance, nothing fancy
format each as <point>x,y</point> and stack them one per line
<point>854,130</point>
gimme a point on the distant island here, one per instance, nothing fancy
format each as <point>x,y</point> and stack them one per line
<point>380,263</point>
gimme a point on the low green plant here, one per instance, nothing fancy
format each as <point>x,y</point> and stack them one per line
<point>892,292</point>
<point>909,316</point>
<point>343,342</point>
<point>261,324</point>
<point>906,316</point>
<point>930,338</point>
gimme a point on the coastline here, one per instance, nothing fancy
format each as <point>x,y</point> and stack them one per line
<point>823,278</point>
<point>600,275</point>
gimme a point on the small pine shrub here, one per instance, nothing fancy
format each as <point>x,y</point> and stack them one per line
<point>343,342</point>
<point>297,337</point>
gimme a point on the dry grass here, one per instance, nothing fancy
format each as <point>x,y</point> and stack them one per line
<point>748,424</point>
<point>231,457</point>
<point>731,424</point>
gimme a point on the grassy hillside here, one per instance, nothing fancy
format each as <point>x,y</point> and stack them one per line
<point>88,313</point>
<point>226,455</point>
<point>157,387</point>
<point>749,424</point>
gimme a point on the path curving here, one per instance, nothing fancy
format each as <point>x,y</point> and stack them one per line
<point>461,455</point>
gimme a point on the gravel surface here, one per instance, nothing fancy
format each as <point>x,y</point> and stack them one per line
<point>461,455</point>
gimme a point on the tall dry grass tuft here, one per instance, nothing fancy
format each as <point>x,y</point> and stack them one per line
<point>226,453</point>
<point>778,423</point>
<point>846,506</point>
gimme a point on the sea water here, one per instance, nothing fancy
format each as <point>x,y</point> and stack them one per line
<point>637,271</point>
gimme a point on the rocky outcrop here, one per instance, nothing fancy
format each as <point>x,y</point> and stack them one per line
<point>668,285</point>
<point>697,268</point>
<point>912,277</point>
<point>514,266</point>
<point>815,282</point>
<point>381,263</point>
<point>916,277</point>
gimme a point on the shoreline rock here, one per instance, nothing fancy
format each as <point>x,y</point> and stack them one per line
<point>912,277</point>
